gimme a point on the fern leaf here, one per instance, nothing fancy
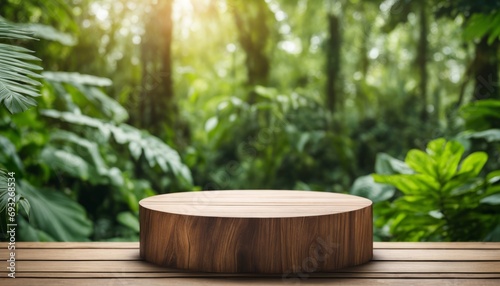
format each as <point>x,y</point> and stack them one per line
<point>17,86</point>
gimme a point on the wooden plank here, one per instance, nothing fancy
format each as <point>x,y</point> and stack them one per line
<point>437,245</point>
<point>377,245</point>
<point>55,254</point>
<point>373,267</point>
<point>102,263</point>
<point>67,245</point>
<point>427,267</point>
<point>212,275</point>
<point>233,282</point>
<point>436,255</point>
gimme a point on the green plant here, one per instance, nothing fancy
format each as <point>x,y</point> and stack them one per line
<point>282,141</point>
<point>442,197</point>
<point>17,86</point>
<point>482,123</point>
<point>80,167</point>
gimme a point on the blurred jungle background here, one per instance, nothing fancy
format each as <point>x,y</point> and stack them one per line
<point>394,100</point>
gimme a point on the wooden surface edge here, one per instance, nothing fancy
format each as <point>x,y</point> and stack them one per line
<point>376,245</point>
<point>78,245</point>
<point>436,245</point>
<point>246,281</point>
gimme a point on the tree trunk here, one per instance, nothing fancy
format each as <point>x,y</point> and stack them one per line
<point>156,105</point>
<point>422,60</point>
<point>485,70</point>
<point>332,62</point>
<point>253,33</point>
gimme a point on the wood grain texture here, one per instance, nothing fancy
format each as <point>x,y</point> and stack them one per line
<point>372,267</point>
<point>120,264</point>
<point>379,254</point>
<point>260,231</point>
<point>134,245</point>
<point>247,281</point>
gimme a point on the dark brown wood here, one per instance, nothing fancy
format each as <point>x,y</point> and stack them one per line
<point>262,231</point>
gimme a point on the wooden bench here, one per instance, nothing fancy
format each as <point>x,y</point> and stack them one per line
<point>105,263</point>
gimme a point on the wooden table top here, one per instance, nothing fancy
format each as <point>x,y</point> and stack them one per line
<point>106,263</point>
<point>255,203</point>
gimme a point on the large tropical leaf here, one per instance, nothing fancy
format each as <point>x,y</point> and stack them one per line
<point>81,160</point>
<point>20,202</point>
<point>17,83</point>
<point>8,156</point>
<point>56,215</point>
<point>155,151</point>
<point>50,33</point>
<point>77,78</point>
<point>72,88</point>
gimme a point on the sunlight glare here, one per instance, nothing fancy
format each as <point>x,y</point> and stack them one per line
<point>373,54</point>
<point>292,46</point>
<point>182,10</point>
<point>100,12</point>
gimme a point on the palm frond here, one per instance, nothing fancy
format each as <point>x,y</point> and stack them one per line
<point>18,86</point>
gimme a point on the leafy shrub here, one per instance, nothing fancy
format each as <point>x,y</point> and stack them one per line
<point>93,169</point>
<point>441,197</point>
<point>280,142</point>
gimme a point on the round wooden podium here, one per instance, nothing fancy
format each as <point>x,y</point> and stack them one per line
<point>256,231</point>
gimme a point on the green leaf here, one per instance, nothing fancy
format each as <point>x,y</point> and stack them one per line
<point>481,114</point>
<point>89,155</point>
<point>436,147</point>
<point>63,161</point>
<point>449,159</point>
<point>303,139</point>
<point>135,149</point>
<point>436,214</point>
<point>10,31</point>
<point>490,135</point>
<point>493,177</point>
<point>108,106</point>
<point>27,232</point>
<point>492,200</point>
<point>4,200</point>
<point>156,152</point>
<point>14,101</point>
<point>129,220</point>
<point>50,33</point>
<point>416,184</point>
<point>473,164</point>
<point>366,187</point>
<point>16,87</point>
<point>211,124</point>
<point>413,203</point>
<point>387,165</point>
<point>8,155</point>
<point>77,78</point>
<point>57,215</point>
<point>25,206</point>
<point>477,26</point>
<point>421,162</point>
<point>466,187</point>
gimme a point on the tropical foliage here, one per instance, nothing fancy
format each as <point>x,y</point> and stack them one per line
<point>17,86</point>
<point>441,197</point>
